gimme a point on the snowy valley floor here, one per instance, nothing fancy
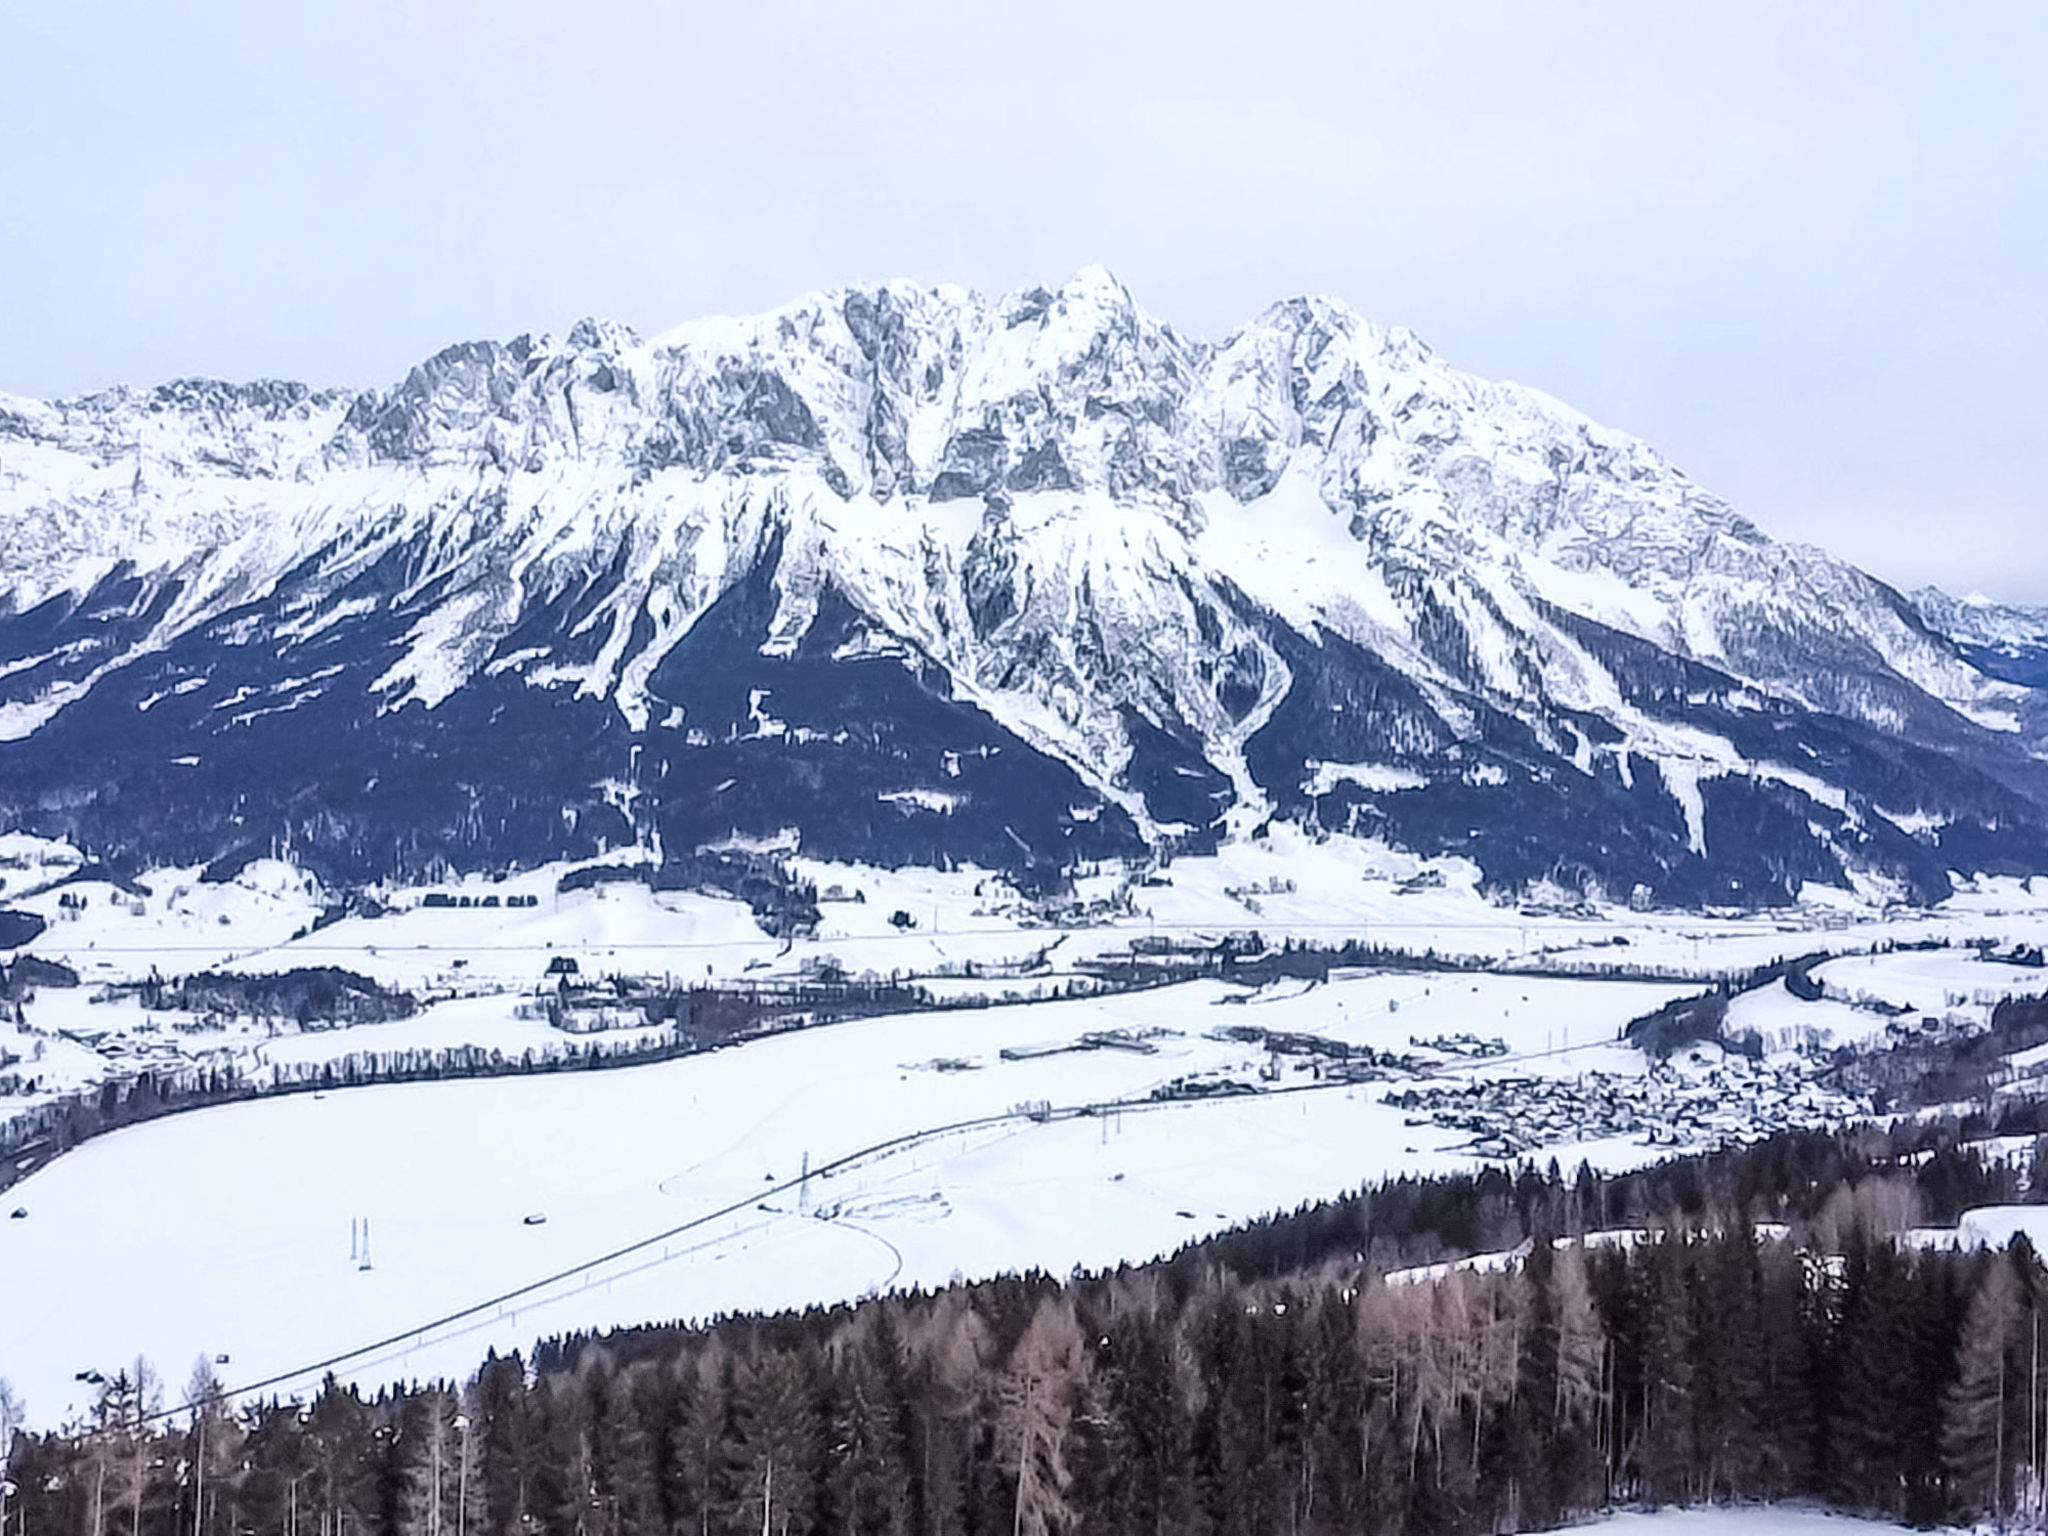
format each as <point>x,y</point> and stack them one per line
<point>825,1164</point>
<point>1739,1520</point>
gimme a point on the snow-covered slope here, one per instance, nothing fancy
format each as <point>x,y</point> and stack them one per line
<point>928,576</point>
<point>2002,641</point>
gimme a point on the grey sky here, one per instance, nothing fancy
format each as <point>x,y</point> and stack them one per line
<point>1801,248</point>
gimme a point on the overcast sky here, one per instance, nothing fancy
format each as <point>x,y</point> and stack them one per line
<point>1802,248</point>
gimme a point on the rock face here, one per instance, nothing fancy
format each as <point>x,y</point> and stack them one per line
<point>913,575</point>
<point>2000,641</point>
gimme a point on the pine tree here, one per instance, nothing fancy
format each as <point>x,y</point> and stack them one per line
<point>1337,1410</point>
<point>1789,1325</point>
<point>700,1465</point>
<point>777,1440</point>
<point>867,1479</point>
<point>951,1351</point>
<point>1665,1454</point>
<point>500,1435</point>
<point>1875,1350</point>
<point>342,1431</point>
<point>1567,1403</point>
<point>431,1466</point>
<point>1728,1367</point>
<point>560,1458</point>
<point>1977,1416</point>
<point>628,1449</point>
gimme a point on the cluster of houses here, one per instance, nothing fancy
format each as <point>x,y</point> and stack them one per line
<point>1320,1055</point>
<point>1467,1045</point>
<point>1708,1101</point>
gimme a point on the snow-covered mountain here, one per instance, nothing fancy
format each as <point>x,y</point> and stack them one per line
<point>911,574</point>
<point>1999,640</point>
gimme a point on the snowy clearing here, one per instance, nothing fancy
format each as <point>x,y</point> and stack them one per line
<point>228,1230</point>
<point>1739,1520</point>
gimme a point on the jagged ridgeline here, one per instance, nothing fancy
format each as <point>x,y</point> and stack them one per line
<point>1743,1326</point>
<point>910,575</point>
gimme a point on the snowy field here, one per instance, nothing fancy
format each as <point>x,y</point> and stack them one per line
<point>1870,998</point>
<point>228,1231</point>
<point>1284,885</point>
<point>1740,1520</point>
<point>510,1208</point>
<point>925,925</point>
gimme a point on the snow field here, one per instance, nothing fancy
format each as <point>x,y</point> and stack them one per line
<point>182,924</point>
<point>489,1023</point>
<point>1738,1520</point>
<point>1869,997</point>
<point>1283,886</point>
<point>1948,984</point>
<point>227,1230</point>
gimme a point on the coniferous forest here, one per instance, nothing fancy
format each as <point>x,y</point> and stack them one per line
<point>1746,1326</point>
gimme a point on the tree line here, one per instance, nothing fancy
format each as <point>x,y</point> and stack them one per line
<point>1746,1326</point>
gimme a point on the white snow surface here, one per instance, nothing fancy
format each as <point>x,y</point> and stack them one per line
<point>1283,886</point>
<point>226,1230</point>
<point>1738,1520</point>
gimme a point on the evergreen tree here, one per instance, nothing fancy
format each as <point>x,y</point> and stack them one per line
<point>1665,1452</point>
<point>500,1435</point>
<point>12,1413</point>
<point>1789,1331</point>
<point>1728,1369</point>
<point>629,1436</point>
<point>1977,1446</point>
<point>700,1462</point>
<point>777,1440</point>
<point>1874,1350</point>
<point>428,1452</point>
<point>562,1457</point>
<point>867,1479</point>
<point>951,1350</point>
<point>343,1430</point>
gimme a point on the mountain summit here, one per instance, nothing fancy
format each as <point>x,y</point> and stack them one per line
<point>911,574</point>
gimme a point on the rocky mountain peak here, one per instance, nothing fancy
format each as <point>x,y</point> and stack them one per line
<point>1170,586</point>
